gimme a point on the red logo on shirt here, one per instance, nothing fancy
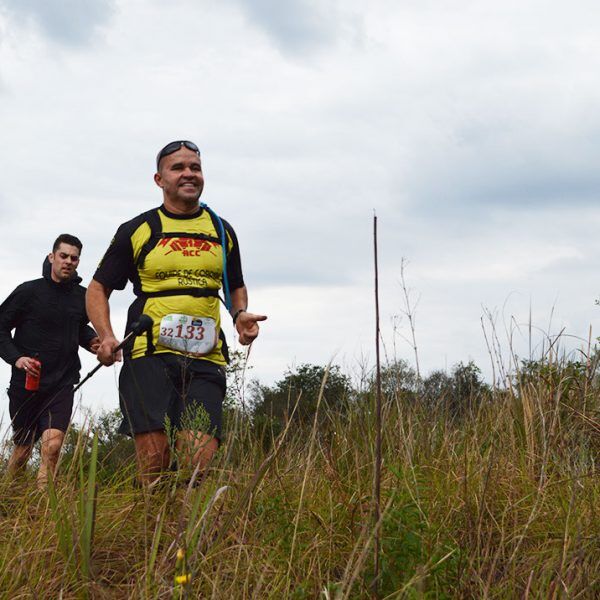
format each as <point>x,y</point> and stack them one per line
<point>187,246</point>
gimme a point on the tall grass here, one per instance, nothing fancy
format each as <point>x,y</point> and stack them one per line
<point>497,500</point>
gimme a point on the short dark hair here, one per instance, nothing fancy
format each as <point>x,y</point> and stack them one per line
<point>67,238</point>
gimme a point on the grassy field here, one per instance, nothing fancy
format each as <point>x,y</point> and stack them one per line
<point>497,498</point>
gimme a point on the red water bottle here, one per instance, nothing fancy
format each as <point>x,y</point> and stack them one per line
<point>32,383</point>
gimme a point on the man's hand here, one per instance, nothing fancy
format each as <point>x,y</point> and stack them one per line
<point>246,325</point>
<point>94,345</point>
<point>29,365</point>
<point>106,351</point>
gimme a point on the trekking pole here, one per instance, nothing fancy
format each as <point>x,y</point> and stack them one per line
<point>143,324</point>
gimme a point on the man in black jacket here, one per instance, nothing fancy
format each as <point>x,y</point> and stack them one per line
<point>50,323</point>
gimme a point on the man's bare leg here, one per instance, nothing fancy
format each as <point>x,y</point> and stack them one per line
<point>18,459</point>
<point>52,441</point>
<point>152,455</point>
<point>196,448</point>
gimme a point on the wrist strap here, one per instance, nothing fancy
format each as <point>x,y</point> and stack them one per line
<point>237,314</point>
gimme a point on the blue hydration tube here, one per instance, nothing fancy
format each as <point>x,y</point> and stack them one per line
<point>224,248</point>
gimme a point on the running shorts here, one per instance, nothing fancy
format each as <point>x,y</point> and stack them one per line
<point>31,413</point>
<point>163,391</point>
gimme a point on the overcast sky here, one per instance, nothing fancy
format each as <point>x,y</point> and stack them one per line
<point>471,127</point>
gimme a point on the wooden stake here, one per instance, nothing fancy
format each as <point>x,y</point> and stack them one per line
<point>377,490</point>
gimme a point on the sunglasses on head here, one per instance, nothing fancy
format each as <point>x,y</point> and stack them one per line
<point>173,147</point>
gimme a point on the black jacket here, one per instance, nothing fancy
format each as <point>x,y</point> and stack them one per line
<point>49,320</point>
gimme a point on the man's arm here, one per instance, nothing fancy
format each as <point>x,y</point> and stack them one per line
<point>246,323</point>
<point>98,310</point>
<point>88,338</point>
<point>10,314</point>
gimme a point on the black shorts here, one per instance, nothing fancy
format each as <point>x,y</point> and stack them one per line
<point>31,413</point>
<point>167,390</point>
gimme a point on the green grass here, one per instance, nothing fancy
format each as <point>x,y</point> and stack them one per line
<point>499,501</point>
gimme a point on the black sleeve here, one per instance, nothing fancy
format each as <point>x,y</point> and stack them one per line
<point>86,335</point>
<point>11,312</point>
<point>234,261</point>
<point>115,267</point>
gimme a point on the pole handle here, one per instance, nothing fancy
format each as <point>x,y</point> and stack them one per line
<point>144,323</point>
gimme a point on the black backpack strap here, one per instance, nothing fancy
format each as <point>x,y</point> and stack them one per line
<point>192,291</point>
<point>224,347</point>
<point>213,219</point>
<point>218,226</point>
<point>155,224</point>
<point>150,347</point>
<point>192,236</point>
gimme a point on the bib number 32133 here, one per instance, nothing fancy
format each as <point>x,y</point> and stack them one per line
<point>196,336</point>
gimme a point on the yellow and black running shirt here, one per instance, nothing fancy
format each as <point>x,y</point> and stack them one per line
<point>174,263</point>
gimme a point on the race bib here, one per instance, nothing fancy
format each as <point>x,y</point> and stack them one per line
<point>193,335</point>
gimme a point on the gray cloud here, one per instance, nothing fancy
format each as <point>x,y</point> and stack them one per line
<point>296,26</point>
<point>464,184</point>
<point>70,22</point>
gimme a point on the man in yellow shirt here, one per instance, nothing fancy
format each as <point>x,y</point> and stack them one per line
<point>178,257</point>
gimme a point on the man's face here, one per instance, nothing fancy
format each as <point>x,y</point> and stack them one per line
<point>64,262</point>
<point>180,176</point>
